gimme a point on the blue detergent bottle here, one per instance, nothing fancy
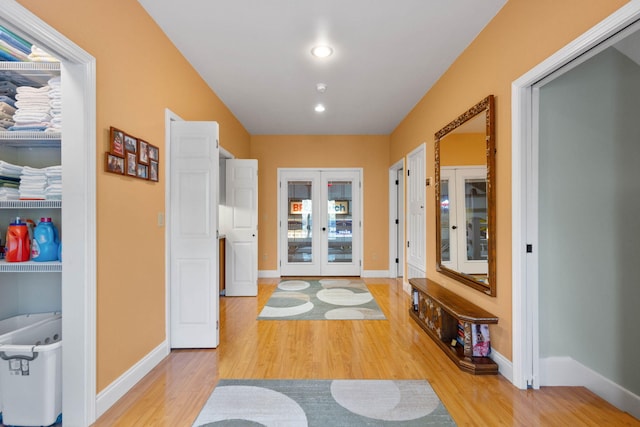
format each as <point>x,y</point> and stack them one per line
<point>45,241</point>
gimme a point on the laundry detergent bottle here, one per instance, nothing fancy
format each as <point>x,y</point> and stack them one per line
<point>18,247</point>
<point>45,241</point>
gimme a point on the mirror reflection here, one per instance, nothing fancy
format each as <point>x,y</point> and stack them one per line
<point>464,155</point>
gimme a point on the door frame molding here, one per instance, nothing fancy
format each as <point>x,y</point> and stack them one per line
<point>80,282</point>
<point>281,220</point>
<point>395,211</point>
<point>169,116</point>
<point>524,191</point>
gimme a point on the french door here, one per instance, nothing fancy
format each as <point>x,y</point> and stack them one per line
<point>463,212</point>
<point>320,222</point>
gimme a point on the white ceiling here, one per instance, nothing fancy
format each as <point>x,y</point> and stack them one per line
<point>255,55</point>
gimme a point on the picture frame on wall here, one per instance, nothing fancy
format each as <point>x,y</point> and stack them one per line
<point>143,152</point>
<point>154,153</point>
<point>130,144</point>
<point>116,142</point>
<point>142,171</point>
<point>113,164</point>
<point>131,164</point>
<point>153,170</point>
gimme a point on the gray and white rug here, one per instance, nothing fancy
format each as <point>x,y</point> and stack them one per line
<point>325,299</point>
<point>323,403</point>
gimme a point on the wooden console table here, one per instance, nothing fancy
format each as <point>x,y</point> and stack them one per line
<point>438,312</point>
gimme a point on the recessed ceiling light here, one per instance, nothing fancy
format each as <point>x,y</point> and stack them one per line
<point>321,87</point>
<point>319,108</point>
<point>321,51</point>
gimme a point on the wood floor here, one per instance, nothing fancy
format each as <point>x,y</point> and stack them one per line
<point>175,391</point>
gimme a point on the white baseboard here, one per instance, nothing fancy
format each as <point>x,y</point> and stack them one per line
<point>505,366</point>
<point>268,274</point>
<point>375,273</point>
<point>565,371</point>
<point>114,391</point>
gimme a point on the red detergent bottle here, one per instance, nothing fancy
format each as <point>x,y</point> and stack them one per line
<point>18,247</point>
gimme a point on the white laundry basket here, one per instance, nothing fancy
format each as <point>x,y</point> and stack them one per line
<point>31,375</point>
<point>13,326</point>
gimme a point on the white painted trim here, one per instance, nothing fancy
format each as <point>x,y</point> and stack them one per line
<point>169,116</point>
<point>505,367</point>
<point>565,371</point>
<point>524,191</point>
<point>123,384</point>
<point>79,187</point>
<point>268,274</point>
<point>376,274</point>
<point>393,211</point>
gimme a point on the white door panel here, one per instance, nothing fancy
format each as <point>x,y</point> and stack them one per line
<point>416,214</point>
<point>242,237</point>
<point>193,235</point>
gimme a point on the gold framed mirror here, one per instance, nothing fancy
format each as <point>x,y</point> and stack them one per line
<point>465,198</point>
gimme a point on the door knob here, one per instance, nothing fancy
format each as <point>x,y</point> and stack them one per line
<point>453,227</point>
<point>324,228</point>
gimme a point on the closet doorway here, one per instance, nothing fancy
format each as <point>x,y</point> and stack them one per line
<point>320,222</point>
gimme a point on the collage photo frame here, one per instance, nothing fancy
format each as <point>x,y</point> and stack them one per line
<point>132,157</point>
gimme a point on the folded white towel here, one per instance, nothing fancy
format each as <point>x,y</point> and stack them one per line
<point>30,89</point>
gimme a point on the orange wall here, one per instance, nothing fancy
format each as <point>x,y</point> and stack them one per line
<point>139,74</point>
<point>463,149</point>
<point>371,153</point>
<point>522,35</point>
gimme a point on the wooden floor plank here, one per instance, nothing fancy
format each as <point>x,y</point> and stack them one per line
<point>396,348</point>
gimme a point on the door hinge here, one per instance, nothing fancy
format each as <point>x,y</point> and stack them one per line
<point>407,243</point>
<point>217,324</point>
<point>529,248</point>
<point>397,182</point>
<point>408,172</point>
<point>397,221</point>
<point>397,260</point>
<point>217,143</point>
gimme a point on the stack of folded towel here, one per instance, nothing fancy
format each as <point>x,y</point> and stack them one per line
<point>39,55</point>
<point>53,190</point>
<point>33,182</point>
<point>9,181</point>
<point>55,102</point>
<point>33,109</point>
<point>7,109</point>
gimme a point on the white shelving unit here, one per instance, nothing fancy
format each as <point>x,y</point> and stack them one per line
<point>35,149</point>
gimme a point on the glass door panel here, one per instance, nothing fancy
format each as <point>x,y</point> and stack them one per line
<point>445,249</point>
<point>340,240</point>
<point>340,233</point>
<point>299,221</point>
<point>475,191</point>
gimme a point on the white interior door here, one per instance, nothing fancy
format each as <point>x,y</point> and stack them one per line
<point>242,235</point>
<point>416,214</point>
<point>320,226</point>
<point>193,236</point>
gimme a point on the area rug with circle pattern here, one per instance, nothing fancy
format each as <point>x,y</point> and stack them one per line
<point>322,403</point>
<point>325,299</point>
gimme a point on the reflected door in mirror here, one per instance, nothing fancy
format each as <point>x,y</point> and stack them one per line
<point>463,220</point>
